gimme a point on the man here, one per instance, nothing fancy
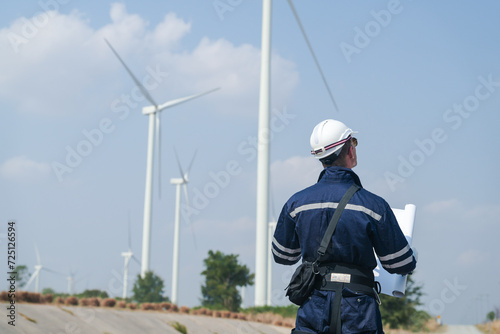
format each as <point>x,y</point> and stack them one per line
<point>366,224</point>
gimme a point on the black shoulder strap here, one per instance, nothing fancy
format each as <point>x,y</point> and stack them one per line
<point>335,219</point>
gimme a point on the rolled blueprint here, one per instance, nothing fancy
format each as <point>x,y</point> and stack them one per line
<point>394,284</point>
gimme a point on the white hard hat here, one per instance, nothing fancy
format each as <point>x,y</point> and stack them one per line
<point>328,137</point>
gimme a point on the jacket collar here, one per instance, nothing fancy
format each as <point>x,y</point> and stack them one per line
<point>334,173</point>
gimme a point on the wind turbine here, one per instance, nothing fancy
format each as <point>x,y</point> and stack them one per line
<point>178,182</point>
<point>127,255</point>
<point>263,164</point>
<point>154,112</point>
<point>36,274</point>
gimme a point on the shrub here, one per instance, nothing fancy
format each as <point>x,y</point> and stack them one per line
<point>147,306</point>
<point>184,309</point>
<point>4,296</point>
<point>121,304</point>
<point>217,314</point>
<point>71,301</point>
<point>108,302</point>
<point>93,301</point>
<point>174,308</point>
<point>59,300</point>
<point>132,306</point>
<point>33,297</point>
<point>165,306</point>
<point>48,298</point>
<point>21,296</point>
<point>225,314</point>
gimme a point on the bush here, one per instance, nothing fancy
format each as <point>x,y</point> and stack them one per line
<point>94,302</point>
<point>147,306</point>
<point>4,296</point>
<point>184,309</point>
<point>71,301</point>
<point>132,306</point>
<point>121,304</point>
<point>33,297</point>
<point>108,302</point>
<point>49,298</point>
<point>60,300</point>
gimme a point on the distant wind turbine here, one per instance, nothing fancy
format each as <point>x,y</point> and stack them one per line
<point>178,182</point>
<point>127,255</point>
<point>154,113</point>
<point>36,274</point>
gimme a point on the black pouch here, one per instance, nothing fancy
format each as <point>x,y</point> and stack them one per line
<point>302,282</point>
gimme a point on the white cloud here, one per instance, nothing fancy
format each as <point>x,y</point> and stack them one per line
<point>472,257</point>
<point>292,175</point>
<point>64,67</point>
<point>22,168</point>
<point>442,206</point>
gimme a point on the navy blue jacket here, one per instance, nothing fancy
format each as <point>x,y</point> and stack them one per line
<point>366,224</point>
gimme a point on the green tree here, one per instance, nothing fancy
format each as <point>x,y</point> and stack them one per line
<point>223,274</point>
<point>490,316</point>
<point>149,289</point>
<point>402,312</point>
<point>93,293</point>
<point>22,275</point>
<point>48,291</point>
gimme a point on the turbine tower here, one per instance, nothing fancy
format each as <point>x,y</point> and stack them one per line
<point>153,111</point>
<point>263,136</point>
<point>263,159</point>
<point>178,182</point>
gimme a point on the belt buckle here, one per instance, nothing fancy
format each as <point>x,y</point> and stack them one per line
<point>341,278</point>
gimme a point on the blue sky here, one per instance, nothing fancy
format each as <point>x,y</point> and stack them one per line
<point>419,80</point>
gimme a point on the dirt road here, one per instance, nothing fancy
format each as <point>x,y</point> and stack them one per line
<point>462,329</point>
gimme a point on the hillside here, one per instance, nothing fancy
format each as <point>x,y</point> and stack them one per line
<point>35,318</point>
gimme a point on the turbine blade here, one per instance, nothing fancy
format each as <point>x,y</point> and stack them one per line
<point>39,262</point>
<point>158,140</point>
<point>191,164</point>
<point>312,52</point>
<point>179,165</point>
<point>183,99</point>
<point>35,274</point>
<point>129,236</point>
<point>136,260</point>
<point>186,194</point>
<point>143,90</point>
<point>52,271</point>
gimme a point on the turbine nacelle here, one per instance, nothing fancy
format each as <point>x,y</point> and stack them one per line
<point>148,110</point>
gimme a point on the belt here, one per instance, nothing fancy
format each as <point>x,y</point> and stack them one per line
<point>336,277</point>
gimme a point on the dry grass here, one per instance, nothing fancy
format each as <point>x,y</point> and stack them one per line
<point>121,304</point>
<point>490,327</point>
<point>48,299</point>
<point>108,302</point>
<point>184,309</point>
<point>71,301</point>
